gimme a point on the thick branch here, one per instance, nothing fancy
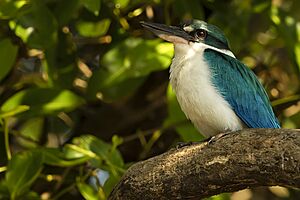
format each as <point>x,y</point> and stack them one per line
<point>247,158</point>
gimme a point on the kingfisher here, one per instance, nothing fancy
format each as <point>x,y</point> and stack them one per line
<point>215,90</point>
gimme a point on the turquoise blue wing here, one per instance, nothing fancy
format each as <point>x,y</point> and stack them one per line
<point>240,87</point>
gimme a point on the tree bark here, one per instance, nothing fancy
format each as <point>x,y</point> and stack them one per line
<point>237,160</point>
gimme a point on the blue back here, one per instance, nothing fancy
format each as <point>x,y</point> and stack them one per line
<point>240,87</point>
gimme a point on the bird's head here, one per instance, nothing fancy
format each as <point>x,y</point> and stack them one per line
<point>193,32</point>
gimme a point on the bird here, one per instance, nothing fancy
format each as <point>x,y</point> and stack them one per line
<point>215,90</point>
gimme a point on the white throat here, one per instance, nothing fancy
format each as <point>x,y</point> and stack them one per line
<point>190,78</point>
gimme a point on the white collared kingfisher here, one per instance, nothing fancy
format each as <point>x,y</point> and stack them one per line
<point>216,91</point>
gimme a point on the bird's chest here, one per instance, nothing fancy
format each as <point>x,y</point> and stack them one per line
<point>199,99</point>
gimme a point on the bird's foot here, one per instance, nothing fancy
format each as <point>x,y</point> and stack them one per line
<point>184,144</point>
<point>209,140</point>
<point>214,138</point>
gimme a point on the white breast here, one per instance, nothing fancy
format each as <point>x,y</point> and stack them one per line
<point>200,101</point>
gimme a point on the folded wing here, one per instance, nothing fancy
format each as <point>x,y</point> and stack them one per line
<point>241,88</point>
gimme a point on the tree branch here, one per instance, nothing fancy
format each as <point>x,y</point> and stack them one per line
<point>238,160</point>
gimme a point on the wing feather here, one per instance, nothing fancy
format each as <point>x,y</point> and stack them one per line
<point>241,88</point>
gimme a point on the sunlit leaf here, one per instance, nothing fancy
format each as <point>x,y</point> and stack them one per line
<point>22,171</point>
<point>261,6</point>
<point>126,66</point>
<point>136,57</point>
<point>21,31</point>
<point>87,191</point>
<point>116,141</point>
<point>9,9</point>
<point>14,111</point>
<point>93,29</point>
<point>32,130</point>
<point>55,157</point>
<point>43,101</point>
<point>8,53</point>
<point>292,122</point>
<point>224,196</point>
<point>102,149</point>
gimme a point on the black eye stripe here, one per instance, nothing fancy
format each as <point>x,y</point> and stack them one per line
<point>209,37</point>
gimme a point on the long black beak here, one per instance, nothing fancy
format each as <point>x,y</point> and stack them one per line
<point>170,33</point>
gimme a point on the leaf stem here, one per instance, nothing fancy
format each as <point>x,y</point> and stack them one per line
<point>6,139</point>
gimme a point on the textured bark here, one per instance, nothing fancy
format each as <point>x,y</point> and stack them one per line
<point>238,160</point>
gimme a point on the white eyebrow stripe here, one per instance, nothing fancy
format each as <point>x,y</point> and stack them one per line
<point>224,51</point>
<point>202,46</point>
<point>188,28</point>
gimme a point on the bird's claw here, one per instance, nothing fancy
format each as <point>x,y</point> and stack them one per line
<point>215,138</point>
<point>209,141</point>
<point>184,144</point>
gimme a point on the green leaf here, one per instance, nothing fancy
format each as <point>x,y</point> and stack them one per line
<point>110,183</point>
<point>32,130</point>
<point>289,30</point>
<point>115,91</point>
<point>297,52</point>
<point>65,11</point>
<point>8,54</point>
<point>135,58</point>
<point>9,9</point>
<point>116,141</point>
<point>103,150</point>
<point>93,29</point>
<point>22,171</point>
<point>4,193</point>
<point>43,101</point>
<point>259,7</point>
<point>285,100</point>
<point>87,191</point>
<point>55,157</point>
<point>92,5</point>
<point>32,196</point>
<point>20,31</point>
<point>14,111</point>
<point>224,196</point>
<point>127,64</point>
<point>178,119</point>
<point>45,26</point>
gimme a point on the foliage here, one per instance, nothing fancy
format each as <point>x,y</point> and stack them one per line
<point>84,89</point>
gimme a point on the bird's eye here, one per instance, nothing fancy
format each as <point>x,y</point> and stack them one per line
<point>201,34</point>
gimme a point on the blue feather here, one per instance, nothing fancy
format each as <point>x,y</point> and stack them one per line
<point>241,89</point>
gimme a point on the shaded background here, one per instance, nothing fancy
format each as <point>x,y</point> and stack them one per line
<point>84,89</point>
